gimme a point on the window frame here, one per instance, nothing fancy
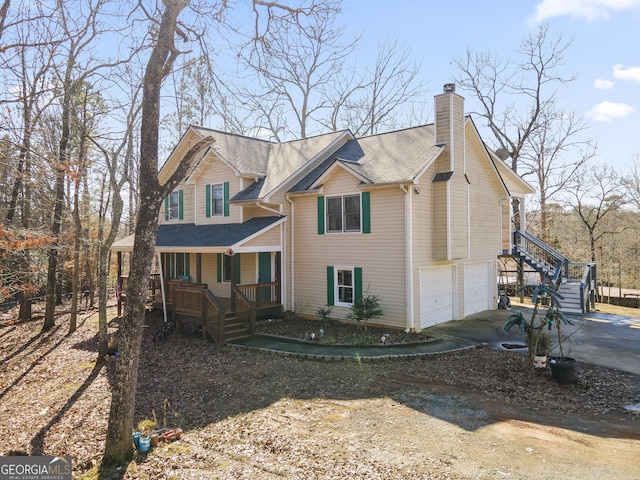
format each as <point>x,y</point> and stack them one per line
<point>174,207</point>
<point>337,286</point>
<point>343,215</point>
<point>215,186</point>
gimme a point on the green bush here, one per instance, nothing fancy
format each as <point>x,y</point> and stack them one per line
<point>365,308</point>
<point>358,340</point>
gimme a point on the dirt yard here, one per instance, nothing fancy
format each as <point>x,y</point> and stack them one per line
<point>474,414</point>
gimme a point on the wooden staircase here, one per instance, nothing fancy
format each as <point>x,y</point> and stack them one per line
<point>235,329</point>
<point>575,282</point>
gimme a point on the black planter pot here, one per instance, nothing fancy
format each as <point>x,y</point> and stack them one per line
<point>563,369</point>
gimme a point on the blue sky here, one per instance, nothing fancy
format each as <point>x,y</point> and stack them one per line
<point>604,55</point>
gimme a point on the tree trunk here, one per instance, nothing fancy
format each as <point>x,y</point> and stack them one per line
<point>119,444</point>
<point>52,270</point>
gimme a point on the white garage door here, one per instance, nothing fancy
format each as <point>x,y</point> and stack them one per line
<point>436,295</point>
<point>477,290</point>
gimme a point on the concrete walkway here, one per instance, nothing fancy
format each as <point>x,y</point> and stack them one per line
<point>599,339</point>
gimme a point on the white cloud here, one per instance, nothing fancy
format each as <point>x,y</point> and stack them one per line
<point>602,84</point>
<point>607,111</point>
<point>587,9</point>
<point>631,73</point>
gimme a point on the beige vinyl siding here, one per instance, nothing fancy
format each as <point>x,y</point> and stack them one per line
<point>459,216</point>
<point>485,208</point>
<point>440,215</point>
<point>269,238</point>
<point>248,269</point>
<point>188,193</point>
<point>380,254</point>
<point>215,172</point>
<point>251,211</point>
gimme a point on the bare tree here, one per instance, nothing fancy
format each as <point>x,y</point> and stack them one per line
<point>378,100</point>
<point>596,193</point>
<point>555,138</point>
<point>117,159</point>
<point>632,182</point>
<point>500,85</point>
<point>118,442</point>
<point>82,30</point>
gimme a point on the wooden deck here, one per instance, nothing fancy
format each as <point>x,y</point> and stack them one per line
<point>221,318</point>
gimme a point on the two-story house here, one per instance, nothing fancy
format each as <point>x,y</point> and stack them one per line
<point>416,216</point>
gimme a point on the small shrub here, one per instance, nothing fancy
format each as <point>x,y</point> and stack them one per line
<point>358,340</point>
<point>327,340</point>
<point>324,312</point>
<point>365,308</point>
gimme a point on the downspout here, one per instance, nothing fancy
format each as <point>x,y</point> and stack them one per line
<point>284,257</point>
<point>408,257</point>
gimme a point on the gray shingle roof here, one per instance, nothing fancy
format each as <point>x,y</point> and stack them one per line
<point>220,235</point>
<point>391,157</point>
<point>247,155</point>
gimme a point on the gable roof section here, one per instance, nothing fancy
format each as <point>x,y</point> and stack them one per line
<point>245,155</point>
<point>288,158</point>
<point>387,158</point>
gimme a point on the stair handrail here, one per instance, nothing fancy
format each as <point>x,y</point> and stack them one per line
<point>245,309</point>
<point>213,314</point>
<point>588,282</point>
<point>561,263</point>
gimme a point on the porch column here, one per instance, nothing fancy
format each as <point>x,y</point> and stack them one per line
<point>198,268</point>
<point>233,282</point>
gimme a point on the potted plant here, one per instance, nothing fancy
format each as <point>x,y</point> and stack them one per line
<point>538,341</point>
<point>563,368</point>
<point>541,350</point>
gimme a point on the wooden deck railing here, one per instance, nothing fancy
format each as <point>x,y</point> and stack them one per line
<point>262,293</point>
<point>213,315</point>
<point>245,309</point>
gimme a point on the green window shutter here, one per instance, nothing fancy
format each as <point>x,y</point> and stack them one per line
<point>357,280</point>
<point>166,208</point>
<point>187,267</point>
<point>172,263</point>
<point>220,267</point>
<point>321,216</point>
<point>236,259</point>
<point>180,207</point>
<point>366,212</point>
<point>226,199</point>
<point>330,287</point>
<point>208,200</point>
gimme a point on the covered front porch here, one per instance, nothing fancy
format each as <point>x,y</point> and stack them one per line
<point>209,282</point>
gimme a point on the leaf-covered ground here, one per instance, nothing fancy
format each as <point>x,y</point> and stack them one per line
<point>249,415</point>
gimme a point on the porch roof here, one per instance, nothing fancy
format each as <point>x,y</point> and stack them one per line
<point>216,237</point>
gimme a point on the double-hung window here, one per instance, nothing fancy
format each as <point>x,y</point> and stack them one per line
<point>173,206</point>
<point>217,199</point>
<point>343,213</point>
<point>344,285</point>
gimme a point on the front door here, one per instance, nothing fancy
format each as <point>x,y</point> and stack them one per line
<point>264,267</point>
